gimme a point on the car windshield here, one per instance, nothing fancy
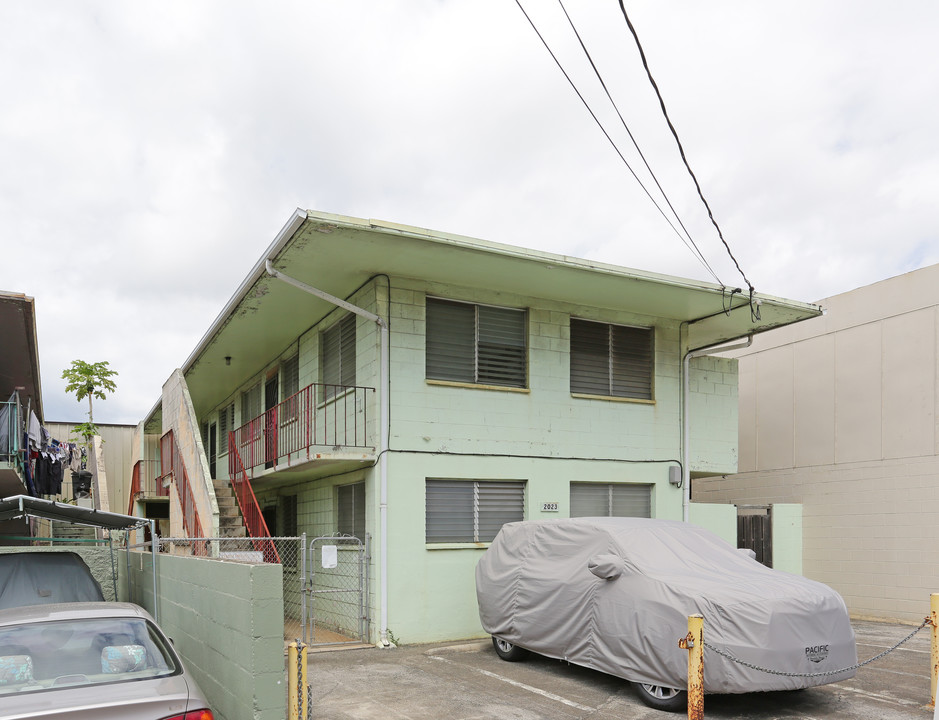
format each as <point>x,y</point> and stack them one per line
<point>40,656</point>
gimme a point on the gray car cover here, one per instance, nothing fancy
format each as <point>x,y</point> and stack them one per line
<point>614,594</point>
<point>41,578</point>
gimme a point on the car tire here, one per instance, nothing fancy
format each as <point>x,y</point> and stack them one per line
<point>508,651</point>
<point>662,698</point>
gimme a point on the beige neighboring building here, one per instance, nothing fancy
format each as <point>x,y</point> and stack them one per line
<point>840,414</point>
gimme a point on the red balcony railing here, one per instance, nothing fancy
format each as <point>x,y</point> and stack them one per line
<point>250,510</point>
<point>320,415</point>
<point>172,463</point>
<point>145,484</point>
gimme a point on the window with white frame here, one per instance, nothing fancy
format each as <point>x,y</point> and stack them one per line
<point>478,344</point>
<point>612,360</point>
<point>611,500</point>
<point>351,509</point>
<point>338,355</point>
<point>471,511</point>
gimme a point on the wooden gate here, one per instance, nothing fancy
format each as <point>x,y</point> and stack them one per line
<point>755,531</point>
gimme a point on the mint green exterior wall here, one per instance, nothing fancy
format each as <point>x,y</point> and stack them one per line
<point>787,537</point>
<point>541,435</point>
<point>719,519</point>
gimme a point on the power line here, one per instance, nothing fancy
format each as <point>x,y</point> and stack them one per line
<point>681,151</point>
<point>612,143</point>
<point>693,246</point>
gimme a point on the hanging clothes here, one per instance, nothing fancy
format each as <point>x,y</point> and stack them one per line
<point>34,431</point>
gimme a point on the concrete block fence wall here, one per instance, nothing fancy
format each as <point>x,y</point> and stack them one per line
<point>227,621</point>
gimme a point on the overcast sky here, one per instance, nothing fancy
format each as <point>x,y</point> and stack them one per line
<point>150,151</point>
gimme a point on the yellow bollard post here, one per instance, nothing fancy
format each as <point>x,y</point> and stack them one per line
<point>292,683</point>
<point>934,666</point>
<point>296,681</point>
<point>693,642</point>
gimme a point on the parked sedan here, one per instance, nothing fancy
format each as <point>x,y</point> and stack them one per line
<point>614,594</point>
<point>77,661</point>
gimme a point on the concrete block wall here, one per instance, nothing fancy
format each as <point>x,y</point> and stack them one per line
<point>180,417</point>
<point>227,622</point>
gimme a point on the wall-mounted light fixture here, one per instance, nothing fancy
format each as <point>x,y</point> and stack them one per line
<point>228,359</point>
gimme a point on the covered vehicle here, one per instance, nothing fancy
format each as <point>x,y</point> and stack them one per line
<point>614,594</point>
<point>34,578</point>
<point>74,661</point>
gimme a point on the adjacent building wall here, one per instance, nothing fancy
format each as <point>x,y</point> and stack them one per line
<point>114,461</point>
<point>841,414</point>
<point>227,621</point>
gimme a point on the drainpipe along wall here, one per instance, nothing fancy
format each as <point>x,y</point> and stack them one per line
<point>383,433</point>
<point>686,417</point>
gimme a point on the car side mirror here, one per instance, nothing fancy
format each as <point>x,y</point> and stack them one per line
<point>606,567</point>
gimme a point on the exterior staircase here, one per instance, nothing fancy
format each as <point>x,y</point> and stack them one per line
<point>230,524</point>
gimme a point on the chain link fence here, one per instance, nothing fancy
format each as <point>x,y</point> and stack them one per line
<point>338,606</point>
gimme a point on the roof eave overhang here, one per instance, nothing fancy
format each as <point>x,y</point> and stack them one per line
<point>338,254</point>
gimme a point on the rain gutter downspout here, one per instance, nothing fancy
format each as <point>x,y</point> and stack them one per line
<point>154,547</point>
<point>383,441</point>
<point>686,416</point>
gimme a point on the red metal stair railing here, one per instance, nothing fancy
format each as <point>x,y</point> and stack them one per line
<point>171,459</point>
<point>134,488</point>
<point>258,532</point>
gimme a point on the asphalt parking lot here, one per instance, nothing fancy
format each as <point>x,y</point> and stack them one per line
<point>467,681</point>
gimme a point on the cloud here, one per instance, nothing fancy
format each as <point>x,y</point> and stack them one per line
<point>152,150</point>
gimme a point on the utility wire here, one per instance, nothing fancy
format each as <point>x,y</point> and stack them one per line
<point>696,251</point>
<point>681,150</point>
<point>600,125</point>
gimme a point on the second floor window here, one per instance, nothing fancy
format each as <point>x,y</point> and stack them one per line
<point>250,404</point>
<point>613,360</point>
<point>478,344</point>
<point>339,356</point>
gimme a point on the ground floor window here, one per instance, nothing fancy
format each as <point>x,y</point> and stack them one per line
<point>351,509</point>
<point>611,500</point>
<point>471,510</point>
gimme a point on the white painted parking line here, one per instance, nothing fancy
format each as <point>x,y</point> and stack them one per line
<point>877,696</point>
<point>899,649</point>
<point>522,686</point>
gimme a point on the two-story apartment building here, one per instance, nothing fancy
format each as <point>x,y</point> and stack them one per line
<point>422,389</point>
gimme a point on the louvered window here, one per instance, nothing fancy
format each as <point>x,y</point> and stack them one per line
<point>226,423</point>
<point>613,360</point>
<point>290,382</point>
<point>351,501</point>
<point>250,404</point>
<point>610,500</point>
<point>339,356</point>
<point>477,344</point>
<point>471,510</point>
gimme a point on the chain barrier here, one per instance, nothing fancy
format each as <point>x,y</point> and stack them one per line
<point>301,649</point>
<point>724,653</point>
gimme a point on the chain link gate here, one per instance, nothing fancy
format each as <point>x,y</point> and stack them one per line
<point>337,593</point>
